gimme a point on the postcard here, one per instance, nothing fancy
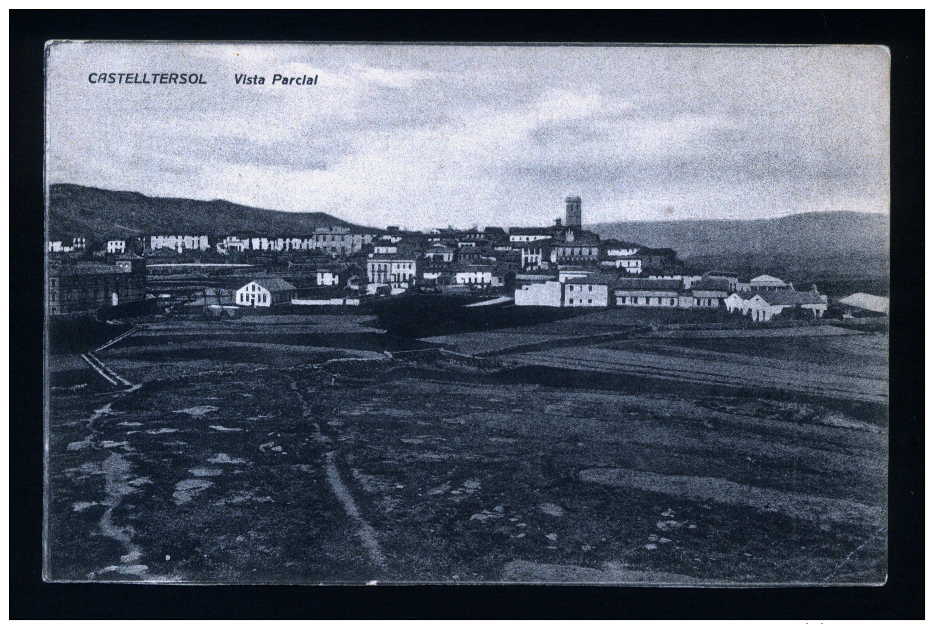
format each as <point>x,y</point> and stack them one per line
<point>507,314</point>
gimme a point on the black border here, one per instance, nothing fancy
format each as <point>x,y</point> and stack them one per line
<point>901,597</point>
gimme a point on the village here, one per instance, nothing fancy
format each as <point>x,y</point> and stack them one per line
<point>558,266</point>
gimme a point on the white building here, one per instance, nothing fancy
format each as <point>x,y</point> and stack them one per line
<point>529,234</point>
<point>327,276</point>
<point>592,291</point>
<point>473,274</point>
<point>549,294</point>
<point>392,269</point>
<point>265,292</point>
<point>631,264</point>
<point>616,249</point>
<point>767,282</point>
<point>116,246</point>
<point>763,305</point>
<point>179,242</point>
<point>644,292</point>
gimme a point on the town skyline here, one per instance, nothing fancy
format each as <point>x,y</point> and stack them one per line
<point>432,136</point>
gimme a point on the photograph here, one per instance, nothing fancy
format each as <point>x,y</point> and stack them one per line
<point>460,314</point>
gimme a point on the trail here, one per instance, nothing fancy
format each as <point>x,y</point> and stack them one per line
<point>365,533</point>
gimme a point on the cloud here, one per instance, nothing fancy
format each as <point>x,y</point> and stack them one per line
<point>421,136</point>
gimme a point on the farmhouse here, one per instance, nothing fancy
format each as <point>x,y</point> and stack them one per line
<point>265,292</point>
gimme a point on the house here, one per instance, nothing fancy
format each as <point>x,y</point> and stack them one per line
<point>631,264</point>
<point>116,246</point>
<point>395,269</point>
<point>763,305</point>
<point>576,248</point>
<point>615,248</point>
<point>548,293</point>
<point>767,282</point>
<point>327,276</point>
<point>179,242</point>
<point>529,234</point>
<point>534,254</point>
<point>440,253</point>
<point>589,291</point>
<point>647,292</point>
<point>265,292</point>
<point>661,257</point>
<point>737,301</point>
<point>706,293</point>
<point>84,287</point>
<point>472,274</point>
<point>731,278</point>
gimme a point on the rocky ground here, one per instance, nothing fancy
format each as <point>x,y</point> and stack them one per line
<point>355,471</point>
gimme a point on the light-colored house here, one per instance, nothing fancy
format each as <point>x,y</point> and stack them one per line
<point>327,276</point>
<point>763,305</point>
<point>116,246</point>
<point>767,282</point>
<point>440,253</point>
<point>549,294</point>
<point>592,291</point>
<point>615,248</point>
<point>472,274</point>
<point>398,270</point>
<point>535,253</point>
<point>265,292</point>
<point>707,292</point>
<point>647,292</point>
<point>179,242</point>
<point>631,264</point>
<point>529,234</point>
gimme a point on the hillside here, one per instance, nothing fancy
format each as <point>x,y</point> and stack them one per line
<point>99,214</point>
<point>813,234</point>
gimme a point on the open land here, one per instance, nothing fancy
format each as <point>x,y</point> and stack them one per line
<point>319,449</point>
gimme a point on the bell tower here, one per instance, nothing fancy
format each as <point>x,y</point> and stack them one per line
<point>573,213</point>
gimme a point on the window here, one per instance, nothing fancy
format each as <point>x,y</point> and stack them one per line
<point>590,301</point>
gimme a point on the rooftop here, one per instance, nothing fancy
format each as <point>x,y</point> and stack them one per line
<point>272,284</point>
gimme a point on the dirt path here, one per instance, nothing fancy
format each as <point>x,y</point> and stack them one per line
<point>364,531</point>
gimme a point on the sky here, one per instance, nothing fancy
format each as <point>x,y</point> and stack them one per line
<point>431,136</point>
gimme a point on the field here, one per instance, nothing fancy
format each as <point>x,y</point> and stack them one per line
<point>299,453</point>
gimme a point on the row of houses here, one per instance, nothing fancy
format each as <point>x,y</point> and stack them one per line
<point>760,299</point>
<point>335,241</point>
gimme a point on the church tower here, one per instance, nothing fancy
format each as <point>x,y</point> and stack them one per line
<point>573,216</point>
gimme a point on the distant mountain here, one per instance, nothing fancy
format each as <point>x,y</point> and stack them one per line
<point>810,234</point>
<point>100,214</point>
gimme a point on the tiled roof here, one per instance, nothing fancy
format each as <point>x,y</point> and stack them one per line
<point>273,284</point>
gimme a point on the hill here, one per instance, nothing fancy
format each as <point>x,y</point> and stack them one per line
<point>815,243</point>
<point>797,235</point>
<point>100,214</point>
